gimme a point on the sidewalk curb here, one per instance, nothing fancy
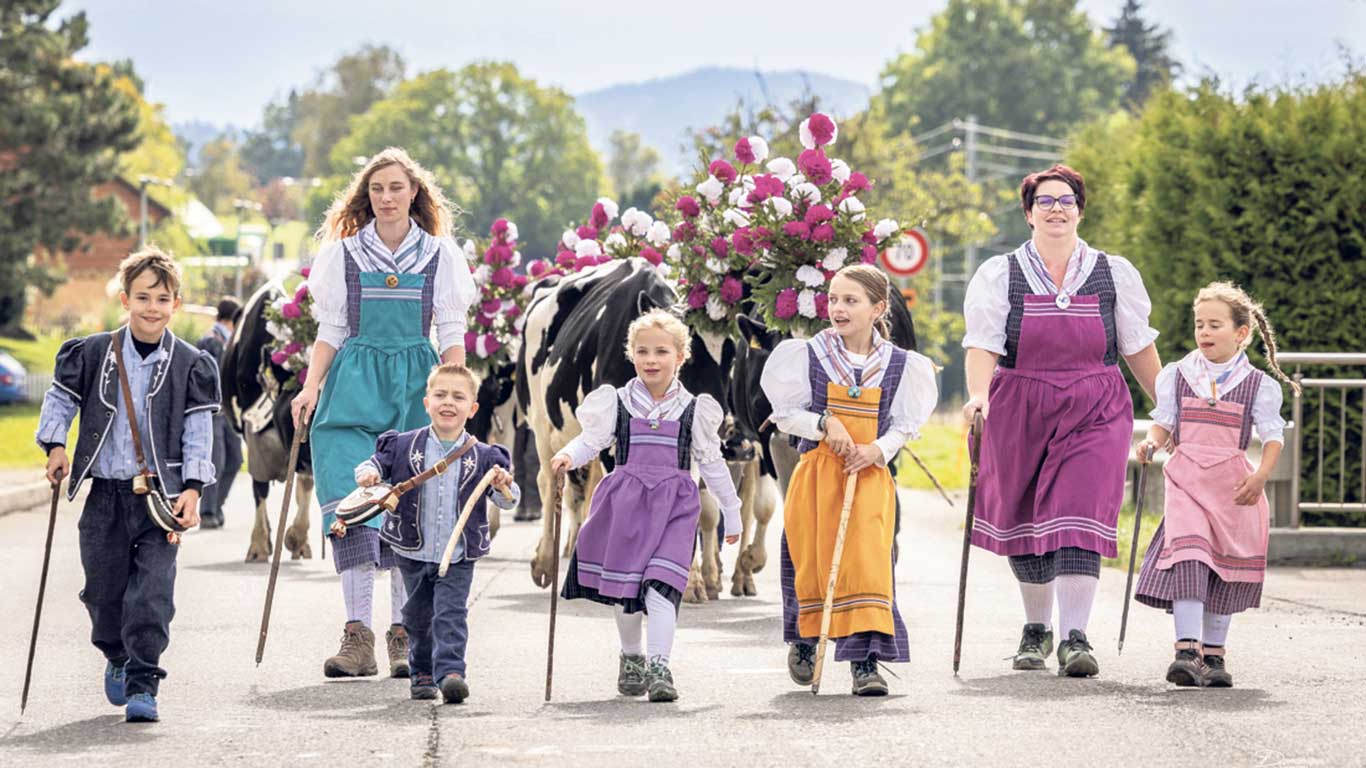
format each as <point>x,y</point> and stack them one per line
<point>25,497</point>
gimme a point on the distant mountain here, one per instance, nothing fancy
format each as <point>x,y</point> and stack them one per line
<point>197,133</point>
<point>665,111</point>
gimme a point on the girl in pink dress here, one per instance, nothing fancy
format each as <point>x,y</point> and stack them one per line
<point>1207,559</point>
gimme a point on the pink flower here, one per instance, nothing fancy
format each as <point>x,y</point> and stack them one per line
<point>279,357</point>
<point>490,306</point>
<point>538,268</point>
<point>723,171</point>
<point>291,311</point>
<point>520,281</point>
<point>719,246</point>
<point>815,166</point>
<point>604,258</point>
<point>502,277</point>
<point>301,294</point>
<point>491,344</point>
<point>731,290</point>
<point>697,297</point>
<point>687,206</point>
<point>599,217</point>
<point>766,185</point>
<point>470,338</point>
<point>293,347</point>
<point>514,311</point>
<point>566,259</point>
<point>785,305</point>
<point>500,227</point>
<point>497,254</point>
<point>586,232</point>
<point>823,305</point>
<point>822,129</point>
<point>651,255</point>
<point>484,320</point>
<point>306,271</point>
<point>857,183</point>
<point>742,242</point>
<point>823,233</point>
<point>870,254</point>
<point>684,232</point>
<point>869,237</point>
<point>818,214</point>
<point>763,238</point>
<point>744,153</point>
<point>798,229</point>
<point>303,375</point>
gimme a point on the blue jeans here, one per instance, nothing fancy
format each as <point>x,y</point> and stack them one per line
<point>129,582</point>
<point>435,617</point>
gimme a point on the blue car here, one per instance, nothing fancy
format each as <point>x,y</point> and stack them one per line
<point>11,379</point>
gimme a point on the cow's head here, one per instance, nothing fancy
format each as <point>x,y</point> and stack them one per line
<point>750,406</point>
<point>495,390</point>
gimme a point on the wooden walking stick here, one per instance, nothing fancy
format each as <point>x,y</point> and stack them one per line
<point>42,589</point>
<point>1133,546</point>
<point>554,584</point>
<point>974,450</point>
<point>449,552</point>
<point>828,608</point>
<point>919,462</point>
<point>299,432</point>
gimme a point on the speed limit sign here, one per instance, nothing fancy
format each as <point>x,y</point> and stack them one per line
<point>908,256</point>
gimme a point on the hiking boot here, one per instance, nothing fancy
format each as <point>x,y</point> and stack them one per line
<point>631,675</point>
<point>1074,656</point>
<point>661,682</point>
<point>1188,668</point>
<point>114,682</point>
<point>396,640</point>
<point>454,689</point>
<point>1035,644</point>
<point>357,655</point>
<point>801,663</point>
<point>1216,676</point>
<point>422,688</point>
<point>142,708</point>
<point>867,681</point>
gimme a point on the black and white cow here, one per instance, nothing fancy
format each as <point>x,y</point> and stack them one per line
<point>574,341</point>
<point>245,366</point>
<point>495,421</point>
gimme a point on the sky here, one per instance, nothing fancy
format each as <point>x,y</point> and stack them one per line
<point>221,62</point>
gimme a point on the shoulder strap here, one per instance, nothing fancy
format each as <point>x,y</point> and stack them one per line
<point>438,468</point>
<point>116,341</point>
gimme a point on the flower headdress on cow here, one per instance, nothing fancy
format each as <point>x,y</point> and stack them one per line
<point>600,241</point>
<point>289,320</point>
<point>503,296</point>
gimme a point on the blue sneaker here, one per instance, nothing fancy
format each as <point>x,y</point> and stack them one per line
<point>142,708</point>
<point>113,684</point>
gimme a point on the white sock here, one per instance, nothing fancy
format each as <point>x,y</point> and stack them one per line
<point>662,617</point>
<point>1038,603</point>
<point>358,590</point>
<point>1076,593</point>
<point>1216,628</point>
<point>1187,615</point>
<point>398,596</point>
<point>630,629</point>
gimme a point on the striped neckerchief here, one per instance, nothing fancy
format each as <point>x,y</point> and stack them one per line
<point>1209,379</point>
<point>412,255</point>
<point>1072,277</point>
<point>845,371</point>
<point>644,405</point>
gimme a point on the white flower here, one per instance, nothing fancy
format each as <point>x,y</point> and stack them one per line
<point>783,168</point>
<point>810,276</point>
<point>717,266</point>
<point>737,196</point>
<point>834,259</point>
<point>636,222</point>
<point>840,170</point>
<point>736,217</point>
<point>747,181</point>
<point>610,206</point>
<point>665,269</point>
<point>469,249</point>
<point>615,243</point>
<point>570,238</point>
<point>588,248</point>
<point>507,304</point>
<point>512,231</point>
<point>716,309</point>
<point>674,253</point>
<point>482,273</point>
<point>808,192</point>
<point>480,348</point>
<point>711,189</point>
<point>516,258</point>
<point>273,329</point>
<point>854,208</point>
<point>658,235</point>
<point>780,205</point>
<point>806,303</point>
<point>759,147</point>
<point>885,229</point>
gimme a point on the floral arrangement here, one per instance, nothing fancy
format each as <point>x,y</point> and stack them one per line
<point>599,241</point>
<point>290,323</point>
<point>503,295</point>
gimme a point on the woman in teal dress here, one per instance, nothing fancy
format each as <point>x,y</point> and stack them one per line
<point>388,274</point>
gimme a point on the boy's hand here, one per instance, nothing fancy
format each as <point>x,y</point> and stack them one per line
<point>58,466</point>
<point>186,508</point>
<point>367,478</point>
<point>560,463</point>
<point>1249,491</point>
<point>502,480</point>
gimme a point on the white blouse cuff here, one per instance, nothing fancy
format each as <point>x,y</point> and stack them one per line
<point>800,423</point>
<point>332,335</point>
<point>451,333</point>
<point>1136,342</point>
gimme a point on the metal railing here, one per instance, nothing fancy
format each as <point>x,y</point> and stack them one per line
<point>1318,504</point>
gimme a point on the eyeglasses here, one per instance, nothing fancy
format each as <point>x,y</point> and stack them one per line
<point>1046,202</point>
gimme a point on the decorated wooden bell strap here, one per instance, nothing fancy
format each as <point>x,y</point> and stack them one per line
<point>144,475</point>
<point>440,467</point>
<point>1071,278</point>
<point>854,377</point>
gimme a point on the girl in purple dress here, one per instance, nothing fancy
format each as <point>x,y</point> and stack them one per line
<point>1046,328</point>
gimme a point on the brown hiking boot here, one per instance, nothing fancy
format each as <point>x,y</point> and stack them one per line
<point>357,655</point>
<point>1216,674</point>
<point>396,640</point>
<point>1188,668</point>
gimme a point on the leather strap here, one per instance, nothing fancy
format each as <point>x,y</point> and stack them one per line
<point>438,468</point>
<point>116,340</point>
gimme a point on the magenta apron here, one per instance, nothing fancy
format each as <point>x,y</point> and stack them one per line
<point>1056,442</point>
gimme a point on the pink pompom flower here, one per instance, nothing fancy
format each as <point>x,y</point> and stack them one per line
<point>688,206</point>
<point>785,304</point>
<point>723,171</point>
<point>744,153</point>
<point>731,290</point>
<point>291,311</point>
<point>799,229</point>
<point>697,296</point>
<point>815,166</point>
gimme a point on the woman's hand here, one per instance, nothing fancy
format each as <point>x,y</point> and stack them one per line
<point>971,407</point>
<point>1249,491</point>
<point>560,464</point>
<point>303,405</point>
<point>837,437</point>
<point>862,457</point>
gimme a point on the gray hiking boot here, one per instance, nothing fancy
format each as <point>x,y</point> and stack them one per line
<point>1188,668</point>
<point>801,663</point>
<point>454,689</point>
<point>1036,643</point>
<point>631,675</point>
<point>357,655</point>
<point>423,687</point>
<point>1216,675</point>
<point>1074,656</point>
<point>396,641</point>
<point>661,683</point>
<point>867,681</point>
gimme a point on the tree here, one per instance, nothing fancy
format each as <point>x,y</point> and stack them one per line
<point>65,123</point>
<point>220,178</point>
<point>500,144</point>
<point>273,151</point>
<point>352,85</point>
<point>1155,66</point>
<point>633,167</point>
<point>1036,66</point>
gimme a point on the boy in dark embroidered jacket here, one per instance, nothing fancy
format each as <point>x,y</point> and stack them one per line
<point>129,561</point>
<point>435,615</point>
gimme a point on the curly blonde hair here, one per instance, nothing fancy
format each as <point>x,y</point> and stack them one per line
<point>663,320</point>
<point>351,210</point>
<point>1246,313</point>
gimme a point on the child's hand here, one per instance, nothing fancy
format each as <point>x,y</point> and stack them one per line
<point>1249,491</point>
<point>58,466</point>
<point>186,508</point>
<point>367,478</point>
<point>731,539</point>
<point>971,407</point>
<point>502,480</point>
<point>1145,450</point>
<point>837,437</point>
<point>560,463</point>
<point>862,457</point>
